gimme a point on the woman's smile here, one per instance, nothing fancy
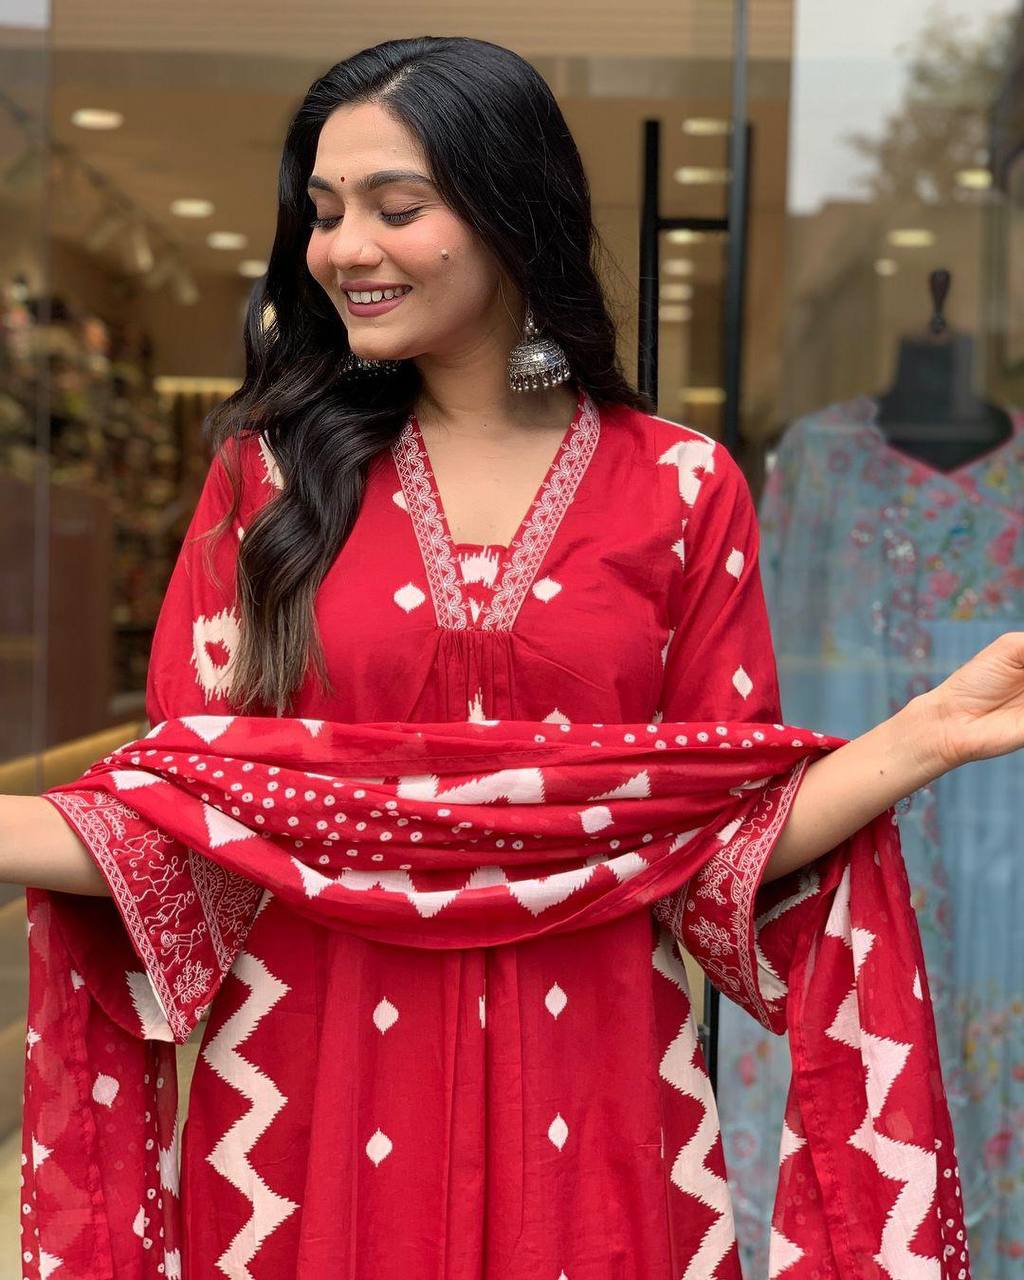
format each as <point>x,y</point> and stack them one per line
<point>374,302</point>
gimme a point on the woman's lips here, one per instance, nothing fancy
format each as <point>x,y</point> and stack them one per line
<point>374,308</point>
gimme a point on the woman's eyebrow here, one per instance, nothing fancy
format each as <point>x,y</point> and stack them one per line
<point>372,180</point>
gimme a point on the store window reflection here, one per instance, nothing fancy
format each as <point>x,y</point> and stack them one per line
<point>892,523</point>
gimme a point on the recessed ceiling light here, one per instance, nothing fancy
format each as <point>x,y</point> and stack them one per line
<point>227,240</point>
<point>682,236</point>
<point>680,292</point>
<point>703,395</point>
<point>886,266</point>
<point>695,175</point>
<point>911,238</point>
<point>252,267</point>
<point>677,267</point>
<point>192,208</point>
<point>674,314</point>
<point>705,127</point>
<point>974,179</point>
<point>96,118</point>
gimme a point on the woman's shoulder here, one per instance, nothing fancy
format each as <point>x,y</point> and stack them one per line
<point>691,461</point>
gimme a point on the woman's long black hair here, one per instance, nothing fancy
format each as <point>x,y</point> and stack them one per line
<point>504,161</point>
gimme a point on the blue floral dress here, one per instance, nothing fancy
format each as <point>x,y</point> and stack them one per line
<point>882,575</point>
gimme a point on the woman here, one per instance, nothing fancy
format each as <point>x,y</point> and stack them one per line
<point>438,1066</point>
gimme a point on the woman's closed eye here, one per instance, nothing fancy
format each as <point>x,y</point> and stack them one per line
<point>396,219</point>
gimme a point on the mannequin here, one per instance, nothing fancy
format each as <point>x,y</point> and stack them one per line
<point>931,411</point>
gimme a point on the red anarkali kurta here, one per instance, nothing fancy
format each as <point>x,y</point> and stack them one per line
<point>633,594</point>
<point>630,594</point>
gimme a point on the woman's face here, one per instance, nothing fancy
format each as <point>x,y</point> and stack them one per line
<point>393,234</point>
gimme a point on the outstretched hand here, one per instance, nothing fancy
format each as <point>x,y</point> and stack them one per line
<point>980,707</point>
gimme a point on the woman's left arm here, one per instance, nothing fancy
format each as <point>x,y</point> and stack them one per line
<point>976,713</point>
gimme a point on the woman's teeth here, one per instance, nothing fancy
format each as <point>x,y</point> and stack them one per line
<point>377,295</point>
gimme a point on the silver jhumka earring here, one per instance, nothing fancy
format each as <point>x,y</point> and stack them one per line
<point>536,362</point>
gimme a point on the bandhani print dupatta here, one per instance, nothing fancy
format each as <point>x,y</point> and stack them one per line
<point>470,835</point>
<point>502,831</point>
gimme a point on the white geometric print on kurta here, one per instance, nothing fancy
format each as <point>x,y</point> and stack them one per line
<point>230,1155</point>
<point>546,589</point>
<point>272,472</point>
<point>558,1131</point>
<point>476,708</point>
<point>379,1147</point>
<point>398,498</point>
<point>385,1015</point>
<point>556,717</point>
<point>884,1059</point>
<point>679,546</point>
<point>782,1252</point>
<point>735,562</point>
<point>693,459</point>
<point>555,1000</point>
<point>409,597</point>
<point>214,645</point>
<point>690,1173</point>
<point>742,683</point>
<point>479,566</point>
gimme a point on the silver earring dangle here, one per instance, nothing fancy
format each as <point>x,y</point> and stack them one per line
<point>536,362</point>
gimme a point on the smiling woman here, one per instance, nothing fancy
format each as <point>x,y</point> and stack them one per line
<point>464,712</point>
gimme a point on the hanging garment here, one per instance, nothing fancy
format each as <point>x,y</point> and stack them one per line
<point>882,575</point>
<point>432,920</point>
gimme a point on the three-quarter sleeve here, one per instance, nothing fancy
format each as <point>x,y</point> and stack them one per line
<point>719,666</point>
<point>182,917</point>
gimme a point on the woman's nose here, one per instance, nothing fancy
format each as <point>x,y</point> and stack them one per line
<point>351,245</point>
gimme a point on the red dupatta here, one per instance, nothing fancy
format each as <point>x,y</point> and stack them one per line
<point>495,831</point>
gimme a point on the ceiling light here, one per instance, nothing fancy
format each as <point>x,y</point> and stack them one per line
<point>252,267</point>
<point>974,179</point>
<point>677,267</point>
<point>674,314</point>
<point>705,127</point>
<point>169,384</point>
<point>886,266</point>
<point>703,395</point>
<point>227,240</point>
<point>676,292</point>
<point>96,118</point>
<point>682,236</point>
<point>911,238</point>
<point>696,175</point>
<point>191,208</point>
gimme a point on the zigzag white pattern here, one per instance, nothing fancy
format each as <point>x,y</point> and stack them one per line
<point>884,1060</point>
<point>230,1156</point>
<point>689,1171</point>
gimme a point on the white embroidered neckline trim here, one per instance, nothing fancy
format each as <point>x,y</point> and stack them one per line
<point>524,555</point>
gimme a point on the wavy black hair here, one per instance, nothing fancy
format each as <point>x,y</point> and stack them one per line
<point>502,157</point>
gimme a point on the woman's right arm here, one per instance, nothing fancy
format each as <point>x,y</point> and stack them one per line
<point>39,848</point>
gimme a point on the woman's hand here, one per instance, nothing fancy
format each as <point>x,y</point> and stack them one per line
<point>979,710</point>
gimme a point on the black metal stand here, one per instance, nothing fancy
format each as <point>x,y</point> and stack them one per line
<point>734,227</point>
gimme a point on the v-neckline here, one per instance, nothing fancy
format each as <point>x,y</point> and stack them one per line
<point>521,557</point>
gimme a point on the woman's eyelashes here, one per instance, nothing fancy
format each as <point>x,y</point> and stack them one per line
<point>395,219</point>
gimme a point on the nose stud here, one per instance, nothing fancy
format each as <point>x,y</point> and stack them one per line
<point>444,253</point>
